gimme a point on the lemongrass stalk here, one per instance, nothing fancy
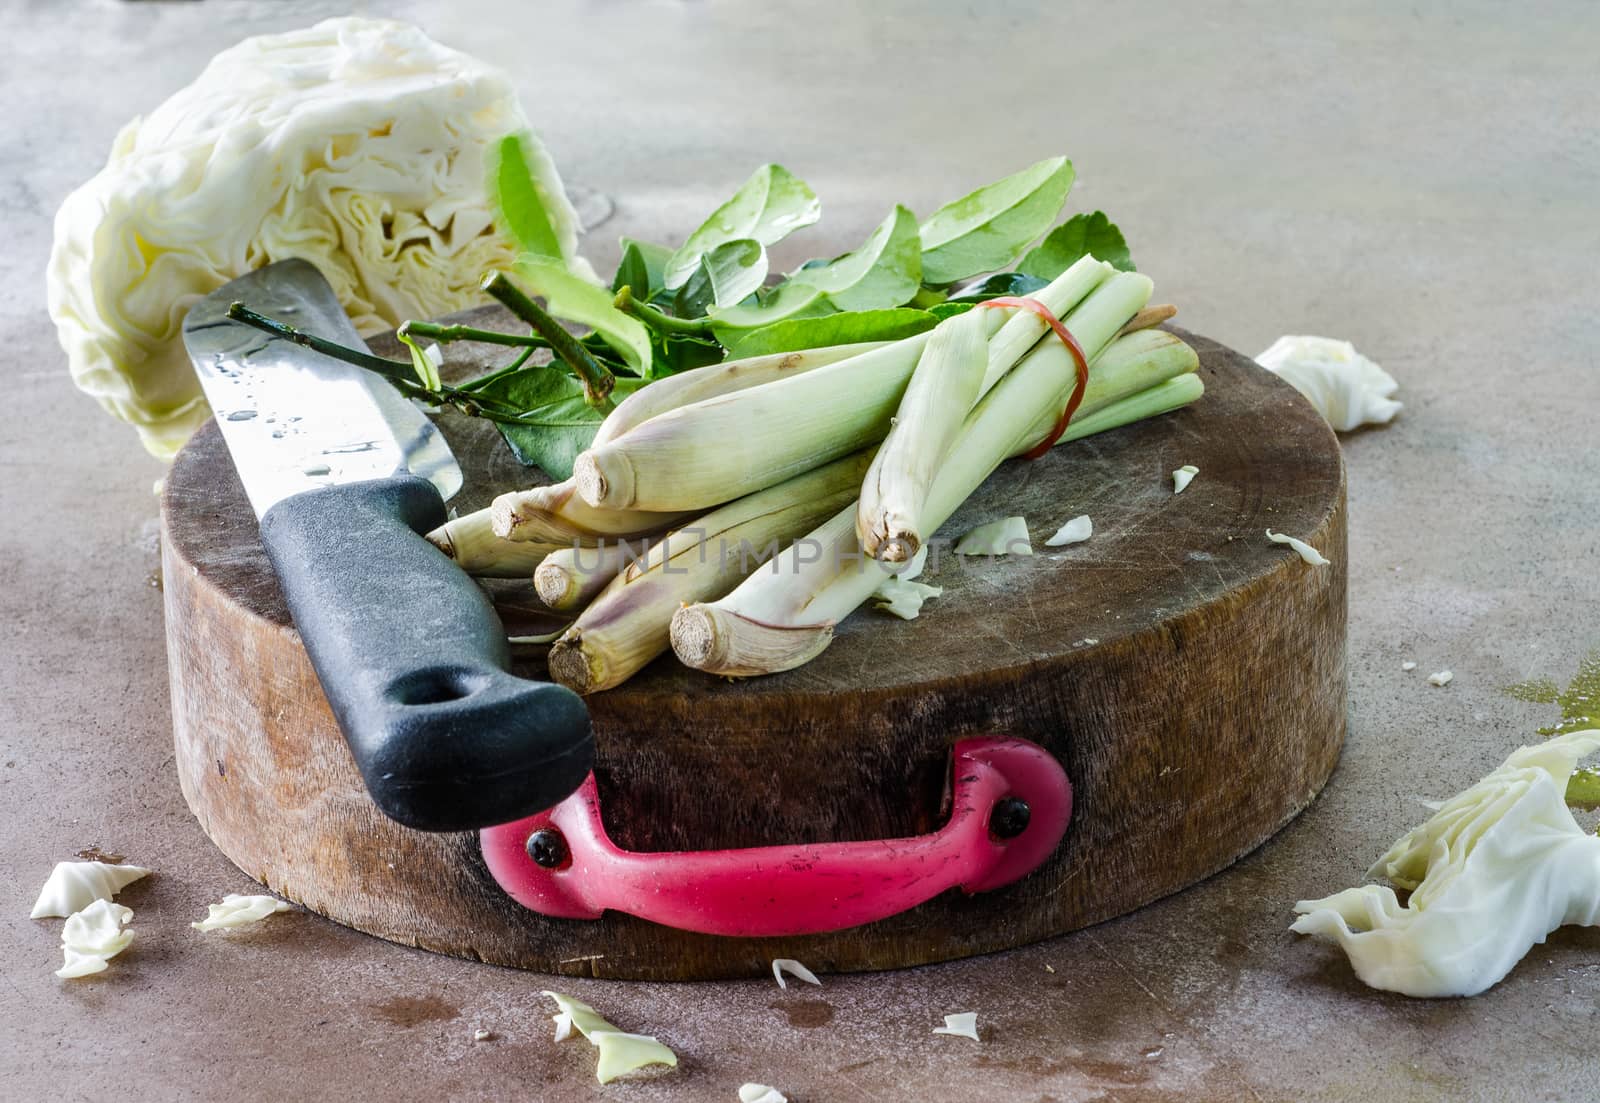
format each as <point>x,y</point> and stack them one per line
<point>471,542</point>
<point>783,615</point>
<point>699,384</point>
<point>570,577</point>
<point>945,384</point>
<point>1163,398</point>
<point>705,453</point>
<point>627,625</point>
<point>555,514</point>
<point>698,455</point>
<point>760,627</point>
<point>1024,328</point>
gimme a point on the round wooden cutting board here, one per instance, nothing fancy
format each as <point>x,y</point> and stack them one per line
<point>1187,673</point>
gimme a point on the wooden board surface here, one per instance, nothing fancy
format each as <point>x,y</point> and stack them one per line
<point>1189,675</point>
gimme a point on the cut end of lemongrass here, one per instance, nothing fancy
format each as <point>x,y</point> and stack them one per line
<point>504,516</point>
<point>603,479</point>
<point>556,586</point>
<point>574,666</point>
<point>721,642</point>
<point>441,539</point>
<point>900,547</point>
<point>570,578</point>
<point>888,539</point>
<point>471,542</point>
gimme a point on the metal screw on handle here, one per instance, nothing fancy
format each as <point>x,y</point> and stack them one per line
<point>1009,818</point>
<point>548,849</point>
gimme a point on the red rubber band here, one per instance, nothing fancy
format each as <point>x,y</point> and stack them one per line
<point>1077,354</point>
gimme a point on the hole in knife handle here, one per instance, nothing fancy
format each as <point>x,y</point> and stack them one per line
<point>436,686</point>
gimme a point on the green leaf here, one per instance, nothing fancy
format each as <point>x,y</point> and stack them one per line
<point>1080,236</point>
<point>695,297</point>
<point>787,300</point>
<point>675,353</point>
<point>886,271</point>
<point>834,329</point>
<point>640,268</point>
<point>517,197</point>
<point>998,285</point>
<point>574,299</point>
<point>736,270</point>
<point>558,424</point>
<point>941,311</point>
<point>986,229</point>
<point>768,207</point>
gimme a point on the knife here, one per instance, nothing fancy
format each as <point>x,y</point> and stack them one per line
<point>345,475</point>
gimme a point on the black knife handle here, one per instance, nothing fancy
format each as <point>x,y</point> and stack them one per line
<point>415,663</point>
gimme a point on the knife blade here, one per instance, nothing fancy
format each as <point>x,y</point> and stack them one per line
<point>346,475</point>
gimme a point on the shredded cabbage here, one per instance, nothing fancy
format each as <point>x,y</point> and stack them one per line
<point>1491,874</point>
<point>760,1093</point>
<point>358,144</point>
<point>963,1025</point>
<point>1347,389</point>
<point>92,937</point>
<point>620,1053</point>
<point>902,595</point>
<point>73,886</point>
<point>1075,531</point>
<point>237,911</point>
<point>1301,548</point>
<point>1007,536</point>
<point>789,965</point>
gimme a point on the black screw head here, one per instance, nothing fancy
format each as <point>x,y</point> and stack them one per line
<point>1009,818</point>
<point>547,848</point>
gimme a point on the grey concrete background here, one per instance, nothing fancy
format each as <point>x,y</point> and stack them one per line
<point>1421,179</point>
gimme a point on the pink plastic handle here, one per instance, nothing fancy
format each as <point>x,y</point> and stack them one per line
<point>803,889</point>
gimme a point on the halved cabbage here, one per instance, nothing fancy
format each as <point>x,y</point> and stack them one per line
<point>357,144</point>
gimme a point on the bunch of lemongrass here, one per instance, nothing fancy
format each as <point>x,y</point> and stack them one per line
<point>698,455</point>
<point>783,615</point>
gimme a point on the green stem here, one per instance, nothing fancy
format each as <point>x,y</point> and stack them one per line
<point>401,375</point>
<point>392,370</point>
<point>659,320</point>
<point>482,381</point>
<point>596,378</point>
<point>435,332</point>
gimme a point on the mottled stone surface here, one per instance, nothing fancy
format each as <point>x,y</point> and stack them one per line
<point>1420,181</point>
